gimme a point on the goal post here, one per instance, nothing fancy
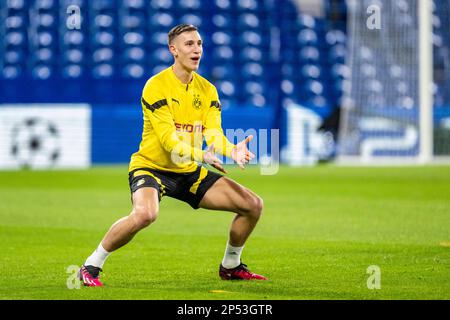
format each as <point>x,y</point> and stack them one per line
<point>387,108</point>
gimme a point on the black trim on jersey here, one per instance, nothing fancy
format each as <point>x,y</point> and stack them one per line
<point>216,104</point>
<point>156,105</point>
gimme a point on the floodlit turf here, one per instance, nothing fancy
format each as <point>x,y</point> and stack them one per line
<point>322,228</point>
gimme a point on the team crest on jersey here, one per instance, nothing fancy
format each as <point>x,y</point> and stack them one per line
<point>197,103</point>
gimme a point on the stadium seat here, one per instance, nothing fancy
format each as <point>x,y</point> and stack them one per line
<point>161,21</point>
<point>250,54</point>
<point>134,4</point>
<point>248,21</point>
<point>136,54</point>
<point>223,21</point>
<point>307,37</point>
<point>193,19</point>
<point>309,54</point>
<point>133,71</point>
<point>72,71</point>
<point>102,71</point>
<point>189,5</point>
<point>248,5</point>
<point>161,5</point>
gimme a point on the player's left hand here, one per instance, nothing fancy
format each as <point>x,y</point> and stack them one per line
<point>210,158</point>
<point>240,154</point>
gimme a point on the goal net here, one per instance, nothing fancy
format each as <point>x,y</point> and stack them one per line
<point>387,107</point>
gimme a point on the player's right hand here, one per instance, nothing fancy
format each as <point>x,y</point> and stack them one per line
<point>210,158</point>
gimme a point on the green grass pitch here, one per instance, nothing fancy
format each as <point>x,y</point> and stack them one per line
<point>321,229</point>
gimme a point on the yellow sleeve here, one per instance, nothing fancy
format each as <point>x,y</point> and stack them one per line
<point>156,109</point>
<point>214,132</point>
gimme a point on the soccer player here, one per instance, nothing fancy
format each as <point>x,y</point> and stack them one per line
<point>181,108</point>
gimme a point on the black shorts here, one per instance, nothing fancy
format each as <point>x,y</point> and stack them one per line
<point>188,187</point>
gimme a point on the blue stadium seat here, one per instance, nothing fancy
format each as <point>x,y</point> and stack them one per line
<point>16,21</point>
<point>161,20</point>
<point>224,72</point>
<point>189,5</point>
<point>134,54</point>
<point>134,38</point>
<point>159,38</point>
<point>305,21</point>
<point>252,38</point>
<point>15,38</point>
<point>104,21</point>
<point>14,56</point>
<point>340,71</point>
<point>161,4</point>
<point>16,5</point>
<point>134,4</point>
<point>158,68</point>
<point>193,19</point>
<point>72,71</point>
<point>222,38</point>
<point>252,70</point>
<point>44,55</point>
<point>161,56</point>
<point>223,21</point>
<point>42,72</point>
<point>338,53</point>
<point>133,21</point>
<point>311,71</point>
<point>104,54</point>
<point>133,71</point>
<point>309,54</point>
<point>46,20</point>
<point>104,38</point>
<point>255,87</point>
<point>249,5</point>
<point>221,5</point>
<point>222,53</point>
<point>103,71</point>
<point>73,38</point>
<point>287,87</point>
<point>313,87</point>
<point>250,54</point>
<point>307,37</point>
<point>46,39</point>
<point>334,37</point>
<point>74,56</point>
<point>45,4</point>
<point>248,21</point>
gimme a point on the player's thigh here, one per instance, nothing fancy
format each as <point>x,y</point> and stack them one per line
<point>146,203</point>
<point>228,195</point>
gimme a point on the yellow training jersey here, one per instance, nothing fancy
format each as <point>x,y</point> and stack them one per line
<point>177,117</point>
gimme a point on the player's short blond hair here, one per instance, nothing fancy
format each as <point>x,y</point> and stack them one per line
<point>179,29</point>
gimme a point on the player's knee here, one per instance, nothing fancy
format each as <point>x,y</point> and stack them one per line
<point>255,206</point>
<point>258,206</point>
<point>144,216</point>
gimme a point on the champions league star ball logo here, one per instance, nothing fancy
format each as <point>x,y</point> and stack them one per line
<point>35,143</point>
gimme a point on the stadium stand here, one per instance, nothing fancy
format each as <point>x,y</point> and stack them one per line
<point>258,53</point>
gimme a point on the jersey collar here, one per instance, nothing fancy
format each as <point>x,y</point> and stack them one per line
<point>180,84</point>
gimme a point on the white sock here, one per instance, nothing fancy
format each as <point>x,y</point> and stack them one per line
<point>232,256</point>
<point>98,257</point>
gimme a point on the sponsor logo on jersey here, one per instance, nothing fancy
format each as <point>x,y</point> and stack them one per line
<point>189,127</point>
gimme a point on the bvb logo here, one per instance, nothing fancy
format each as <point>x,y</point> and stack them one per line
<point>197,103</point>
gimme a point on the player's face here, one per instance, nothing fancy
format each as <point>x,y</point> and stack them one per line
<point>187,49</point>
